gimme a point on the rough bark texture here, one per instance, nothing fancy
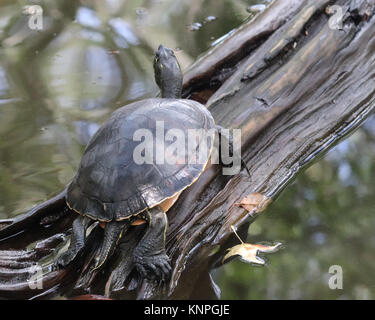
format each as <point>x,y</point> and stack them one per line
<point>293,84</point>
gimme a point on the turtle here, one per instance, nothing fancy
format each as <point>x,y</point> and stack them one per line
<point>113,187</point>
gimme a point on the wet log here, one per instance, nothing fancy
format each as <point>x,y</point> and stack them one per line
<point>296,80</point>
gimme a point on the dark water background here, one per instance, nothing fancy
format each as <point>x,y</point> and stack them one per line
<point>57,86</point>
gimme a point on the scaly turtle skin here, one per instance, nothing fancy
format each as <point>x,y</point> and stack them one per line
<point>110,185</point>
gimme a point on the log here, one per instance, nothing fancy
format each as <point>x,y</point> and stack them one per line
<point>294,83</point>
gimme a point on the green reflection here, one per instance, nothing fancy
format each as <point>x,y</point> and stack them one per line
<point>58,84</point>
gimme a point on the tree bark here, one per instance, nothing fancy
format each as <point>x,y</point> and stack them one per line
<point>293,83</point>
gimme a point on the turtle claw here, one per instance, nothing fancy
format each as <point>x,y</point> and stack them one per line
<point>77,242</point>
<point>155,267</point>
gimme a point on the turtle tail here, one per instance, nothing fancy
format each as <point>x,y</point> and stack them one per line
<point>112,234</point>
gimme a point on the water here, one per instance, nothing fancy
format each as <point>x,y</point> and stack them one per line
<point>58,84</point>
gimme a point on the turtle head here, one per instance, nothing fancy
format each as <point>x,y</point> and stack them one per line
<point>168,74</point>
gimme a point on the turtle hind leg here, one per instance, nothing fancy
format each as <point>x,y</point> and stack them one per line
<point>113,231</point>
<point>77,241</point>
<point>150,258</point>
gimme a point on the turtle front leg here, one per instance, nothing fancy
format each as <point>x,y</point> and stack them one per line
<point>77,241</point>
<point>150,258</point>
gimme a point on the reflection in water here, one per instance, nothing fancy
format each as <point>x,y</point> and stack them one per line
<point>63,82</point>
<point>125,37</point>
<point>4,86</point>
<point>58,85</point>
<point>85,130</point>
<point>81,76</point>
<point>88,18</point>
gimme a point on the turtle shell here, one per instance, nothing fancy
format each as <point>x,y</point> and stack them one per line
<point>112,183</point>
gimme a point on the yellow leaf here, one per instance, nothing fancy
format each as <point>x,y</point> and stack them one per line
<point>254,202</point>
<point>249,252</point>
